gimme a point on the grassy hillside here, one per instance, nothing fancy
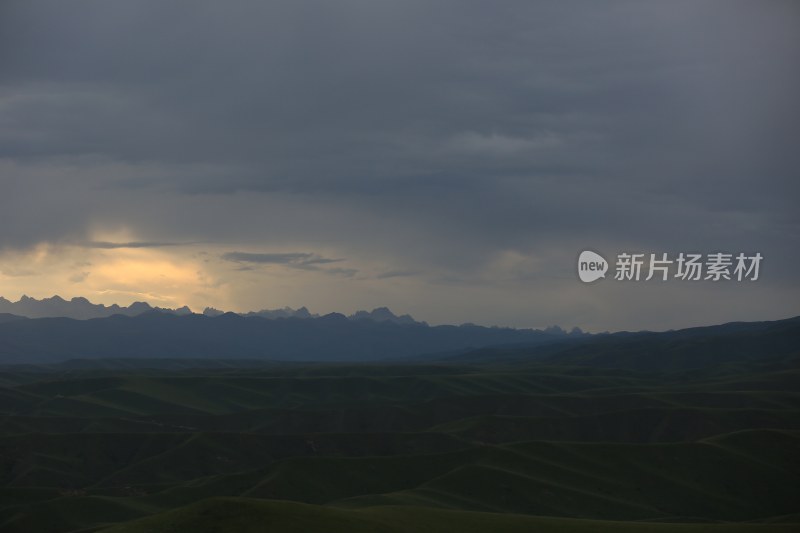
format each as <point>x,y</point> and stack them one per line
<point>507,446</point>
<point>248,515</point>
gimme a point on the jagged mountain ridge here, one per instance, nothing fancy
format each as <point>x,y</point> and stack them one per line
<point>80,308</point>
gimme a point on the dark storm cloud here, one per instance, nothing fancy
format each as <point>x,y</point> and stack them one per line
<point>114,245</point>
<point>297,260</point>
<point>397,274</point>
<point>292,259</point>
<point>431,135</point>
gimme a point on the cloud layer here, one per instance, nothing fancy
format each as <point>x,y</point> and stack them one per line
<point>454,157</point>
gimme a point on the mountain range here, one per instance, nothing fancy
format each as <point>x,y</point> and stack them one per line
<point>80,308</point>
<point>335,337</point>
<point>155,334</point>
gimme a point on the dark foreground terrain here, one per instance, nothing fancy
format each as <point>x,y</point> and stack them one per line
<point>597,438</point>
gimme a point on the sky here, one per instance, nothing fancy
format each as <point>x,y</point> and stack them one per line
<point>446,159</point>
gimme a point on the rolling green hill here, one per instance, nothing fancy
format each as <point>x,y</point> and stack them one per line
<point>248,515</point>
<point>509,445</point>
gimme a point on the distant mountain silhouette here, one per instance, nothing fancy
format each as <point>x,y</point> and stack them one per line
<point>286,312</point>
<point>647,351</point>
<point>7,317</point>
<point>80,308</point>
<point>157,334</point>
<point>382,314</point>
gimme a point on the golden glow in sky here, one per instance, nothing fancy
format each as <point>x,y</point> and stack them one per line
<point>105,272</point>
<point>119,268</point>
